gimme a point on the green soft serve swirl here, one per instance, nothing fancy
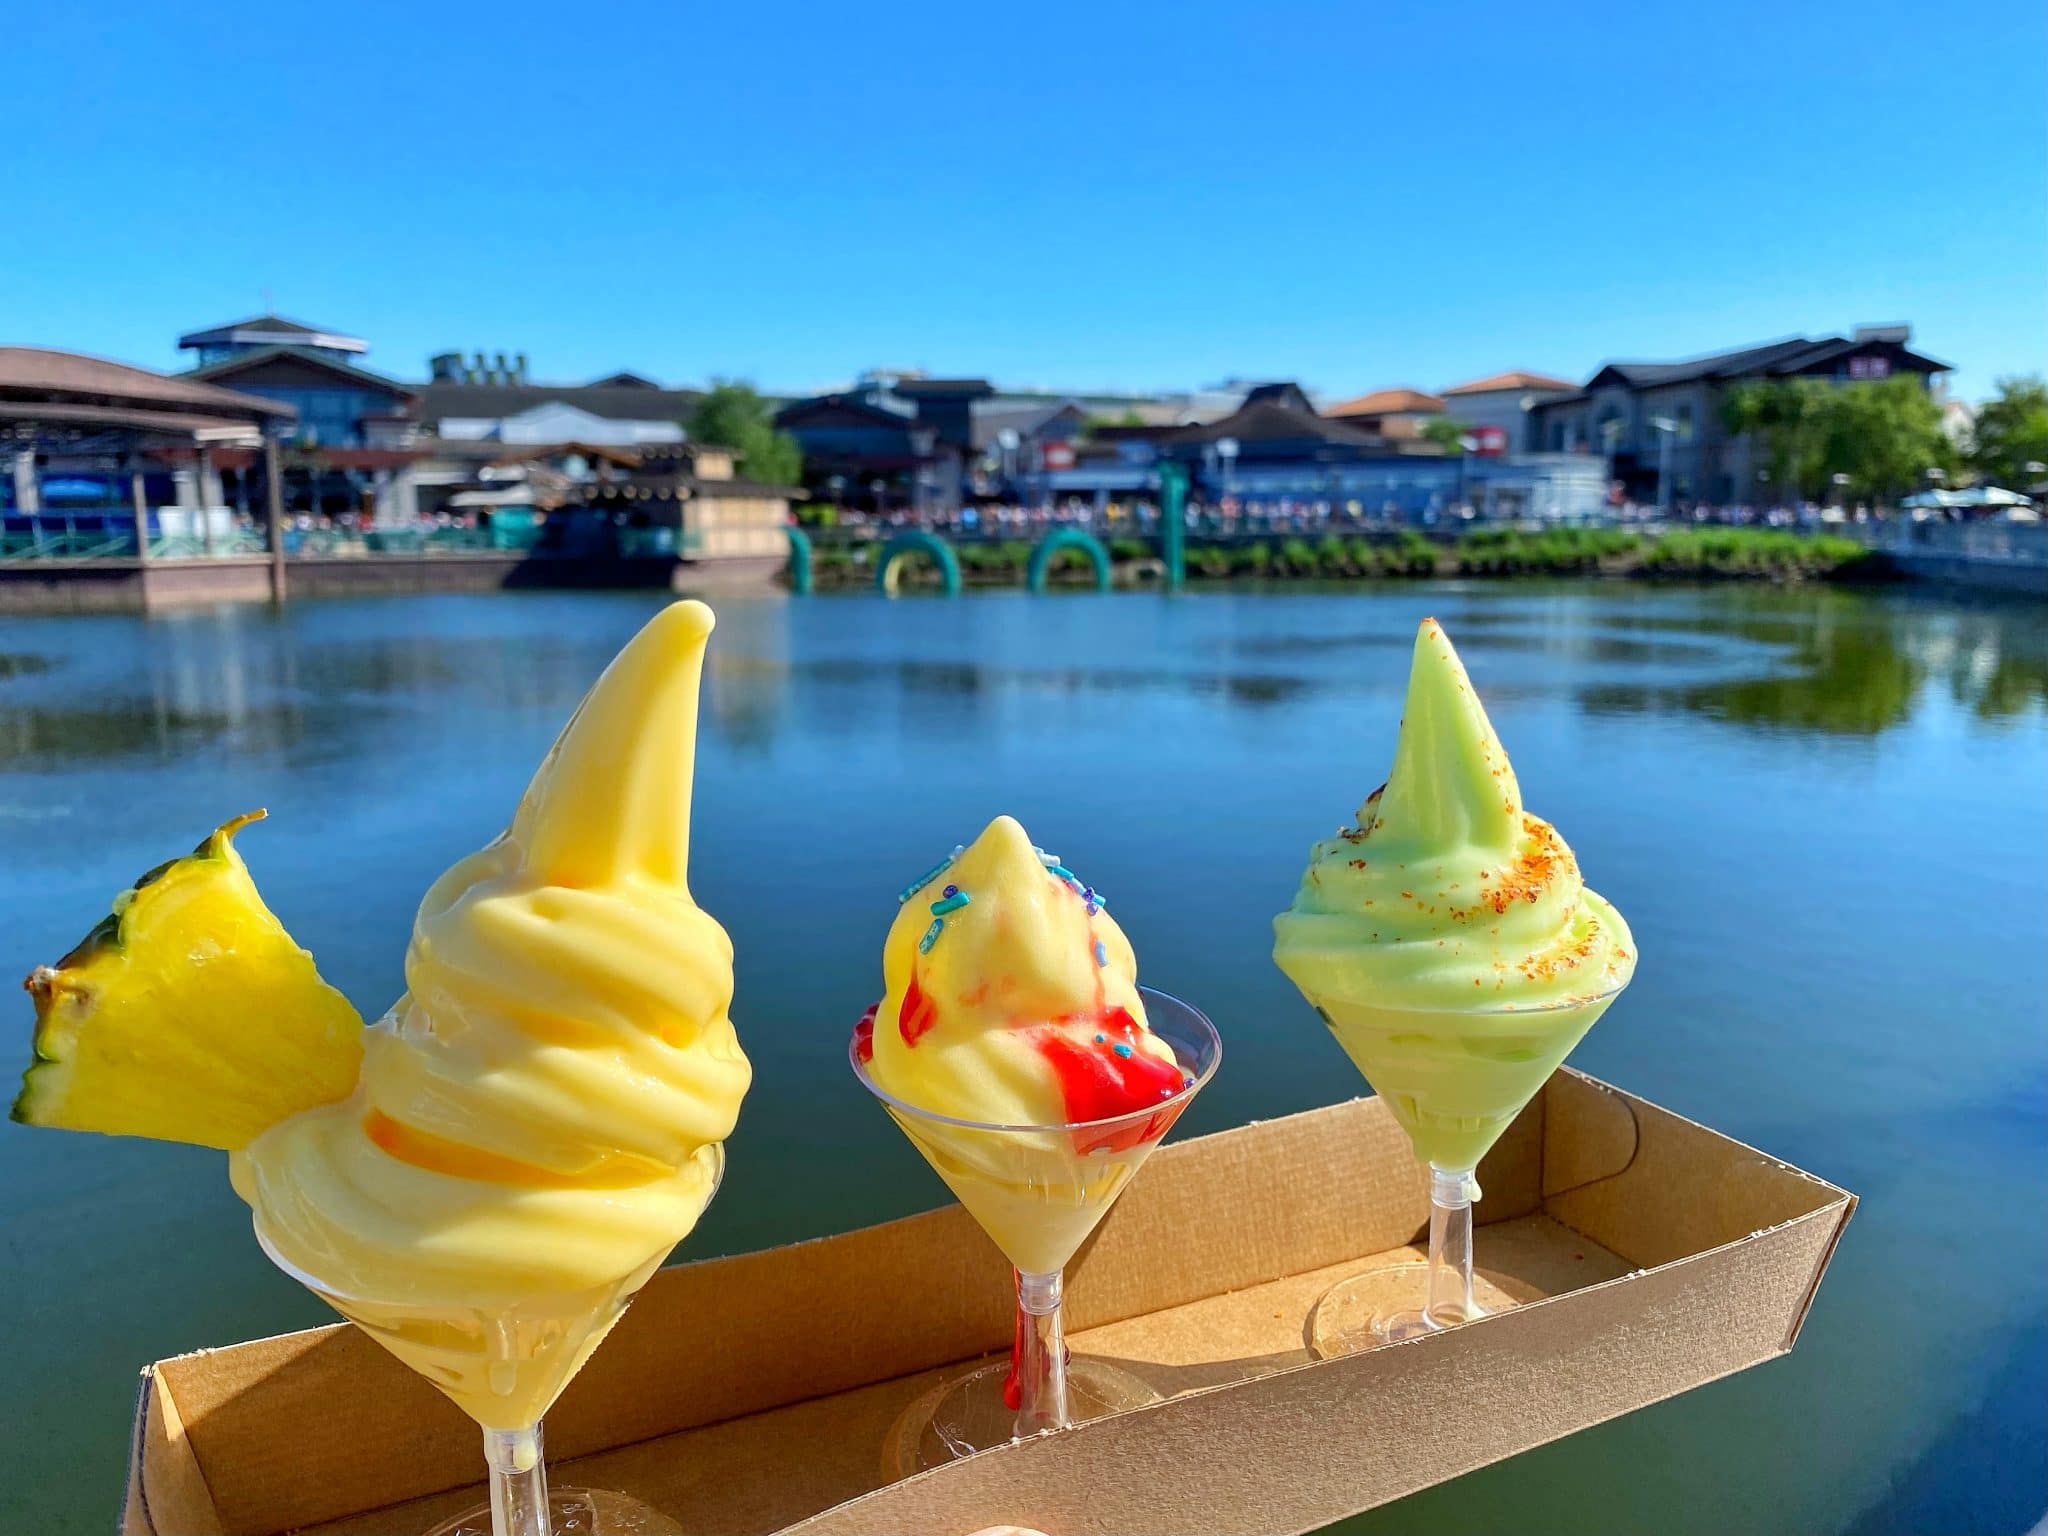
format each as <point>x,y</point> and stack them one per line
<point>1446,937</point>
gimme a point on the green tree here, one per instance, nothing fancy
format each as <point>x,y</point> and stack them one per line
<point>1787,419</point>
<point>2011,432</point>
<point>1447,434</point>
<point>733,415</point>
<point>1885,434</point>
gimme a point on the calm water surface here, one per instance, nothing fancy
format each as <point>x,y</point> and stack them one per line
<point>1825,814</point>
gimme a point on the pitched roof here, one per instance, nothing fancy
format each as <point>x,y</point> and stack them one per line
<point>1789,355</point>
<point>1514,378</point>
<point>272,330</point>
<point>1383,402</point>
<point>625,378</point>
<point>1284,392</point>
<point>442,399</point>
<point>247,362</point>
<point>851,404</point>
<point>1265,421</point>
<point>37,373</point>
<point>914,389</point>
<point>1024,420</point>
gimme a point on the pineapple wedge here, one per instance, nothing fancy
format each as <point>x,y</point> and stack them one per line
<point>187,1014</point>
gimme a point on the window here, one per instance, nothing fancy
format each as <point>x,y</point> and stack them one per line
<point>1683,416</point>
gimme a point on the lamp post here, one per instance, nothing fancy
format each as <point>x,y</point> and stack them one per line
<point>1841,484</point>
<point>1007,440</point>
<point>924,442</point>
<point>1667,429</point>
<point>1226,450</point>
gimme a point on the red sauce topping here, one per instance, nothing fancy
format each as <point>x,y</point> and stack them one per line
<point>1013,1388</point>
<point>1099,1082</point>
<point>864,1034</point>
<point>918,1013</point>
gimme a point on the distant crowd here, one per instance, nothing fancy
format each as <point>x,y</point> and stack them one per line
<point>1295,518</point>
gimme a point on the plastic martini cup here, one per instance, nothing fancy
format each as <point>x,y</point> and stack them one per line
<point>504,1364</point>
<point>1454,1079</point>
<point>1037,1191</point>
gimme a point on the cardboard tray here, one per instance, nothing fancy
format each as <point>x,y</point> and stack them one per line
<point>751,1395</point>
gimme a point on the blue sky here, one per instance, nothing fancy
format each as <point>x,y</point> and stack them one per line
<point>1140,195</point>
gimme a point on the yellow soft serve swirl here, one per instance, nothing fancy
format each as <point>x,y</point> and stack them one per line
<point>1446,893</point>
<point>542,1111</point>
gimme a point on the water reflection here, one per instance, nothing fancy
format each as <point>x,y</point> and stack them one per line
<point>1844,663</point>
<point>1821,660</point>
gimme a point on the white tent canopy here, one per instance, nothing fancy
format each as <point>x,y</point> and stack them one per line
<point>1975,496</point>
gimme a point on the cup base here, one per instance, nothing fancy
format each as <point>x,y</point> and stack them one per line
<point>576,1512</point>
<point>1385,1306</point>
<point>967,1413</point>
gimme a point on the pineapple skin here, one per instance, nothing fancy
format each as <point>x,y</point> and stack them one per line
<point>187,1014</point>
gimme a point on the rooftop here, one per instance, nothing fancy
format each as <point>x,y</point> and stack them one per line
<point>1385,402</point>
<point>1514,378</point>
<point>39,374</point>
<point>1269,421</point>
<point>1788,355</point>
<point>272,331</point>
<point>918,389</point>
<point>442,399</point>
<point>251,362</point>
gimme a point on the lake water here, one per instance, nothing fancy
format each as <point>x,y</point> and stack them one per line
<point>1825,814</point>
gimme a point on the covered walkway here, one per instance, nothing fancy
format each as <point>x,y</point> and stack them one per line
<point>63,414</point>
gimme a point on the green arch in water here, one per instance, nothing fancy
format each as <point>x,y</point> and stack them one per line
<point>917,541</point>
<point>1060,539</point>
<point>800,577</point>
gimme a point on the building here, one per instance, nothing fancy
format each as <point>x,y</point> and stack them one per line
<point>1395,414</point>
<point>1276,449</point>
<point>684,500</point>
<point>369,445</point>
<point>497,401</point>
<point>319,374</point>
<point>1503,404</point>
<point>1273,444</point>
<point>143,448</point>
<point>1017,445</point>
<point>893,441</point>
<point>348,452</point>
<point>1663,421</point>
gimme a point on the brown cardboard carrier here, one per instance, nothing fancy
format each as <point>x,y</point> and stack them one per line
<point>751,1395</point>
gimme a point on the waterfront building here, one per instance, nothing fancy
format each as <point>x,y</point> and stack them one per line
<point>1502,405</point>
<point>861,448</point>
<point>349,453</point>
<point>893,441</point>
<point>1016,444</point>
<point>136,441</point>
<point>683,500</point>
<point>1395,414</point>
<point>1275,449</point>
<point>1666,418</point>
<point>496,400</point>
<point>319,374</point>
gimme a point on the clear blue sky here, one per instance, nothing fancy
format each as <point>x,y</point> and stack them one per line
<point>1142,195</point>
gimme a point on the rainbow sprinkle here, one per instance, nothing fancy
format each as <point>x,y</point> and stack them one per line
<point>1101,953</point>
<point>953,901</point>
<point>930,875</point>
<point>931,936</point>
<point>1123,1051</point>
